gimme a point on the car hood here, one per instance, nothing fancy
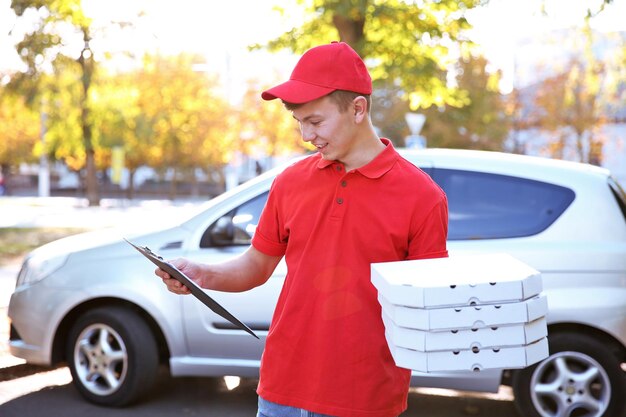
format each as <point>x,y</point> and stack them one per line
<point>110,243</point>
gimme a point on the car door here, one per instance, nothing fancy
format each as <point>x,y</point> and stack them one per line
<point>208,334</point>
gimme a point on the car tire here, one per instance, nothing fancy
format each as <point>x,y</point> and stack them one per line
<point>113,356</point>
<point>582,376</point>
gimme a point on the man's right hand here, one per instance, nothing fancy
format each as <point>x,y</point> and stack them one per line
<point>187,267</point>
<point>241,273</point>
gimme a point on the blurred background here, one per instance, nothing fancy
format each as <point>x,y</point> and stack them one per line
<point>161,99</point>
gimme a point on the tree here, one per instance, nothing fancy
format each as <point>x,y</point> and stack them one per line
<point>119,122</point>
<point>408,44</point>
<point>61,23</point>
<point>389,111</point>
<point>574,104</point>
<point>483,123</point>
<point>60,98</point>
<point>186,122</point>
<point>19,131</point>
<point>410,48</point>
<point>266,127</point>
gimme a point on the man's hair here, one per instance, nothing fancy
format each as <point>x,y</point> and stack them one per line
<point>341,98</point>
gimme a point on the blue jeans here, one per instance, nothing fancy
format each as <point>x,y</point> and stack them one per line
<point>270,409</point>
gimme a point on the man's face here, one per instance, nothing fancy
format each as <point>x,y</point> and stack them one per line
<point>331,132</point>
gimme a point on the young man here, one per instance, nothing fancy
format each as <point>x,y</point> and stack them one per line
<point>331,215</point>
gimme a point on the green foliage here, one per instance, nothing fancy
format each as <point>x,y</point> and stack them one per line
<point>166,115</point>
<point>61,97</point>
<point>19,129</point>
<point>409,44</point>
<point>188,118</point>
<point>60,23</point>
<point>481,124</point>
<point>266,127</point>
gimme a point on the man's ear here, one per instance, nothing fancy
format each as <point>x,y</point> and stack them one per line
<point>359,107</point>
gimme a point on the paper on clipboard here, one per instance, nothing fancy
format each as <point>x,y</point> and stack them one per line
<point>195,289</point>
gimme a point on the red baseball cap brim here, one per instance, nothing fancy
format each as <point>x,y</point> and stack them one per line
<point>322,70</point>
<point>297,92</point>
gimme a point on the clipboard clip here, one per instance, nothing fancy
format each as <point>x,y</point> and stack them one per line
<point>147,249</point>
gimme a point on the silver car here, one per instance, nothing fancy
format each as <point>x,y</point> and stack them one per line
<point>92,301</point>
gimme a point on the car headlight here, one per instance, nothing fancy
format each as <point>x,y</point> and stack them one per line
<point>35,268</point>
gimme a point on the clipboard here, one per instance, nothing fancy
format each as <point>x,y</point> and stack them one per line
<point>195,289</point>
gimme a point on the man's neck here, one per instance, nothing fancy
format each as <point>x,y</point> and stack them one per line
<point>367,149</point>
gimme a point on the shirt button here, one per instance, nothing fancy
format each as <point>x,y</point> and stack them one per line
<point>340,201</point>
<point>338,167</point>
<point>344,183</point>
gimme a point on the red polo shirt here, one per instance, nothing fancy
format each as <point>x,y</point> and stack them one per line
<point>326,350</point>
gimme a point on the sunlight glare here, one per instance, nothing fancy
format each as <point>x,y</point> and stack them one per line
<point>232,382</point>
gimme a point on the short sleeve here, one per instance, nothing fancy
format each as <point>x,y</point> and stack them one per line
<point>429,241</point>
<point>270,237</point>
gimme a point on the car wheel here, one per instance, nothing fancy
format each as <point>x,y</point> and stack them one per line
<point>581,377</point>
<point>112,355</point>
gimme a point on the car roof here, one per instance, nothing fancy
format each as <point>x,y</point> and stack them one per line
<point>502,163</point>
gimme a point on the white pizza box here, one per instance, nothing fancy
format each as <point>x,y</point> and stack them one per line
<point>512,357</point>
<point>465,317</point>
<point>494,336</point>
<point>461,279</point>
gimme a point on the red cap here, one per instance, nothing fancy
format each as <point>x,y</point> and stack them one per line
<point>322,70</point>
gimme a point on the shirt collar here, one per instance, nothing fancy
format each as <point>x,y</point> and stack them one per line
<point>377,167</point>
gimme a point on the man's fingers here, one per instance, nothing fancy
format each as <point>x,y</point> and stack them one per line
<point>173,285</point>
<point>176,286</point>
<point>161,273</point>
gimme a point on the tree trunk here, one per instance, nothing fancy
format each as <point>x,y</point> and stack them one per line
<point>350,31</point>
<point>4,175</point>
<point>91,179</point>
<point>86,63</point>
<point>595,151</point>
<point>130,191</point>
<point>557,148</point>
<point>195,185</point>
<point>579,147</point>
<point>172,191</point>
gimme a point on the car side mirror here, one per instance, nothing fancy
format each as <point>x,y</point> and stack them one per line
<point>222,232</point>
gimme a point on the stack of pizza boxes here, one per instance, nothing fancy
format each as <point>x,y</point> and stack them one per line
<point>466,312</point>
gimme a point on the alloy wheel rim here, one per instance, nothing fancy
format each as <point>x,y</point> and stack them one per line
<point>569,384</point>
<point>100,359</point>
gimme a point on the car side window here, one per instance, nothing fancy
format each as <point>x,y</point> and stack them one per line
<point>236,227</point>
<point>490,206</point>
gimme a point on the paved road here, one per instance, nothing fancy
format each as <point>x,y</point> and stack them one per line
<point>211,397</point>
